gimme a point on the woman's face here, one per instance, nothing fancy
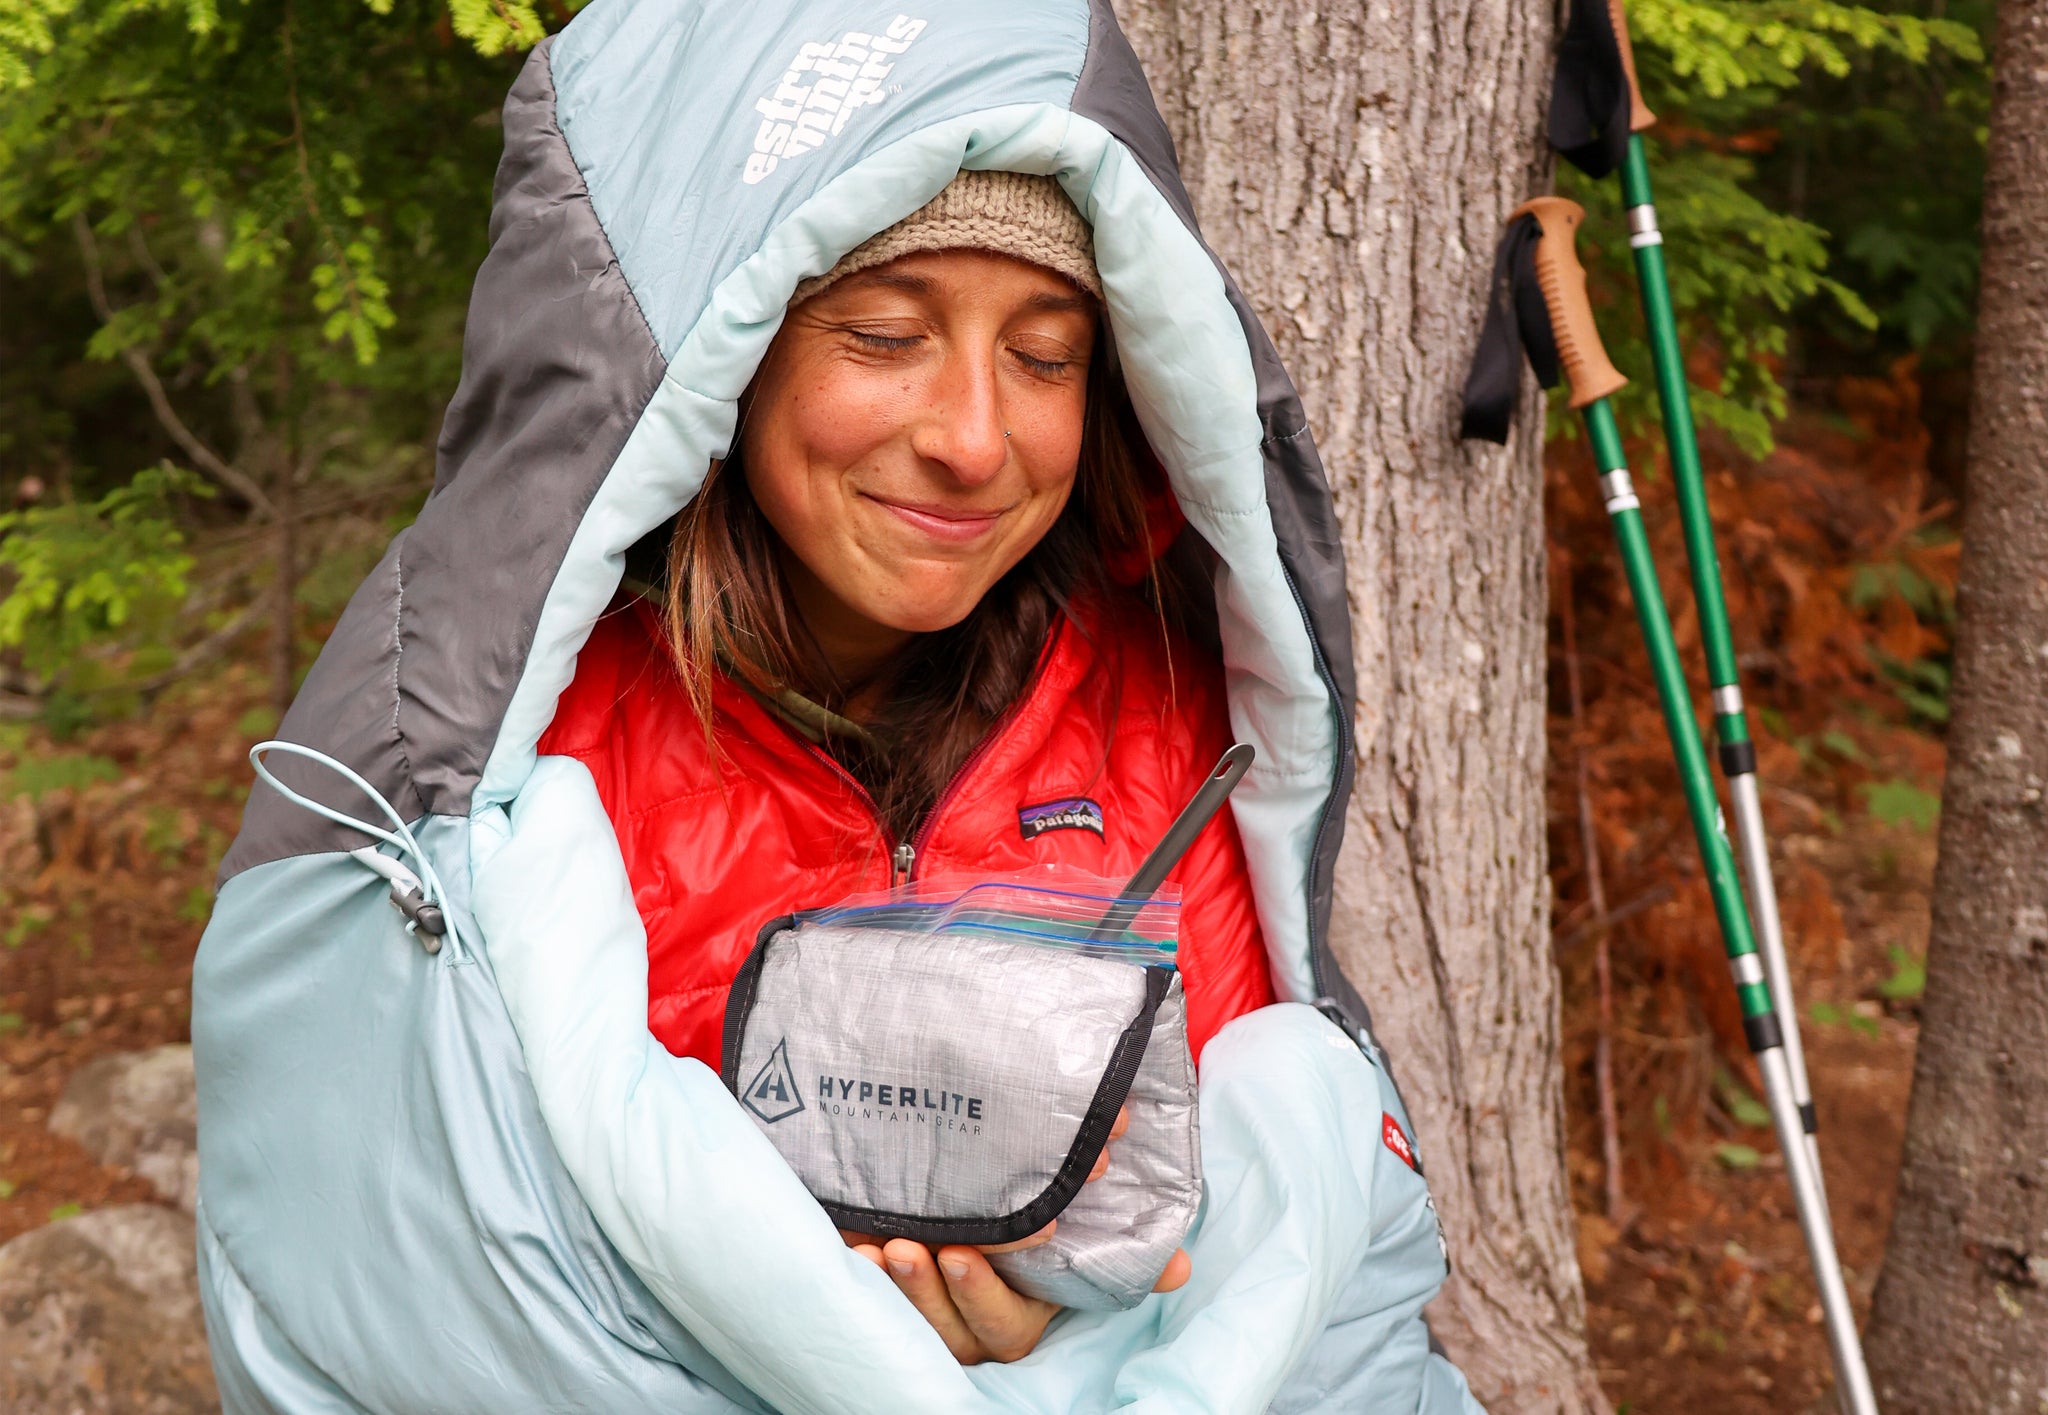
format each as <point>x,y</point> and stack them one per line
<point>912,434</point>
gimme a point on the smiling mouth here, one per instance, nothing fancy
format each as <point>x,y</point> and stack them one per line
<point>942,523</point>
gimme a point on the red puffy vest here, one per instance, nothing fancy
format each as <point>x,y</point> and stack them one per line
<point>716,850</point>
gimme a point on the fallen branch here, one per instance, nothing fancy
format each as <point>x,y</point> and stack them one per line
<point>1601,924</point>
<point>198,656</point>
<point>22,700</point>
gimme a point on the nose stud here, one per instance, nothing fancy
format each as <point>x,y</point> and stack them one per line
<point>1006,432</point>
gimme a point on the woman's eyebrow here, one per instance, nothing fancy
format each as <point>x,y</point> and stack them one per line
<point>902,280</point>
<point>1076,302</point>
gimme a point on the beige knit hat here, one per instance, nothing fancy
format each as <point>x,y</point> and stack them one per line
<point>1010,213</point>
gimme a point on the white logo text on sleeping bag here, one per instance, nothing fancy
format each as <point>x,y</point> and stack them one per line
<point>824,86</point>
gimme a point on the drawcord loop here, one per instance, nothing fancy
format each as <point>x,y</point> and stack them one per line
<point>424,905</point>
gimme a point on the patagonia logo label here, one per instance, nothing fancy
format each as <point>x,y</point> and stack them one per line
<point>823,87</point>
<point>772,1094</point>
<point>1397,1140</point>
<point>1074,813</point>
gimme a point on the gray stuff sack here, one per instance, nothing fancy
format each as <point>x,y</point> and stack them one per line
<point>957,1087</point>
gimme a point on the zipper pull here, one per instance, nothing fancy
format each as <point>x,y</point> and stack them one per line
<point>905,857</point>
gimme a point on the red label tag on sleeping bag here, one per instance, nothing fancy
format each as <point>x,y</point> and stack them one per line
<point>1397,1140</point>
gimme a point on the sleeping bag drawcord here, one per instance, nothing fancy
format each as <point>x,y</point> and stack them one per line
<point>424,905</point>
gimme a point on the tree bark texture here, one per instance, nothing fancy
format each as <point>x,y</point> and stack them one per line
<point>1961,1314</point>
<point>1354,165</point>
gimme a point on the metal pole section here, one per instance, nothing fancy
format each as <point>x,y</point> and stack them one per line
<point>1759,1017</point>
<point>1853,1392</point>
<point>1763,898</point>
<point>1737,751</point>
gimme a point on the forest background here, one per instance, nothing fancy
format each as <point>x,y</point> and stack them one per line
<point>236,245</point>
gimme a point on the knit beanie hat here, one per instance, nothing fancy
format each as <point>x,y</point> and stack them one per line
<point>1011,213</point>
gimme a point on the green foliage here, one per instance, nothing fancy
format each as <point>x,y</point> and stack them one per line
<point>1901,803</point>
<point>1735,1156</point>
<point>1827,1014</point>
<point>1871,584</point>
<point>64,1211</point>
<point>1844,746</point>
<point>259,168</point>
<point>1922,685</point>
<point>493,26</point>
<point>1725,45</point>
<point>1909,977</point>
<point>77,573</point>
<point>1743,270</point>
<point>1742,1107</point>
<point>236,236</point>
<point>29,922</point>
<point>166,834</point>
<point>197,907</point>
<point>259,721</point>
<point>68,771</point>
<point>1761,245</point>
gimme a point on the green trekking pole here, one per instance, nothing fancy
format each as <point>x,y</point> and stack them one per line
<point>1540,294</point>
<point>1597,122</point>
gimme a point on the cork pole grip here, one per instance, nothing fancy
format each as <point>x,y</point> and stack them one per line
<point>1563,281</point>
<point>1639,114</point>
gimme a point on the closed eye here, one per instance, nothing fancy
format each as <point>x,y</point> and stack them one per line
<point>888,342</point>
<point>1048,368</point>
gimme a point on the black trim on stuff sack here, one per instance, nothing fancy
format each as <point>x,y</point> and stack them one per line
<point>1093,1133</point>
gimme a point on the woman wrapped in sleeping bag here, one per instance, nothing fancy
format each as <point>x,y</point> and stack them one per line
<point>861,472</point>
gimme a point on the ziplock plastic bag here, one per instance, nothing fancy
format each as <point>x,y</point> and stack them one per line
<point>944,1063</point>
<point>1051,907</point>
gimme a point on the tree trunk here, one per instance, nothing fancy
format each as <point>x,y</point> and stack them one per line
<point>1354,166</point>
<point>1961,1315</point>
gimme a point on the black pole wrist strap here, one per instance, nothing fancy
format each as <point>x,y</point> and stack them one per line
<point>1589,107</point>
<point>1517,320</point>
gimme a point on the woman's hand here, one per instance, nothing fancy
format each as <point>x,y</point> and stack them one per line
<point>978,1315</point>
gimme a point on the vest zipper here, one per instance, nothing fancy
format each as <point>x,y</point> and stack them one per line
<point>902,856</point>
<point>906,854</point>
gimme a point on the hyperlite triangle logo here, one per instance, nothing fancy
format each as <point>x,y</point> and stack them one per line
<point>772,1094</point>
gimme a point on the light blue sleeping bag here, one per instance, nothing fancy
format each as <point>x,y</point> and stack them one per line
<point>469,1180</point>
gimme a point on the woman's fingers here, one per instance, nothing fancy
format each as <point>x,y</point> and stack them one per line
<point>1101,1165</point>
<point>1116,1131</point>
<point>1006,1323</point>
<point>872,1253</point>
<point>911,1267</point>
<point>1179,1268</point>
<point>1043,1235</point>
